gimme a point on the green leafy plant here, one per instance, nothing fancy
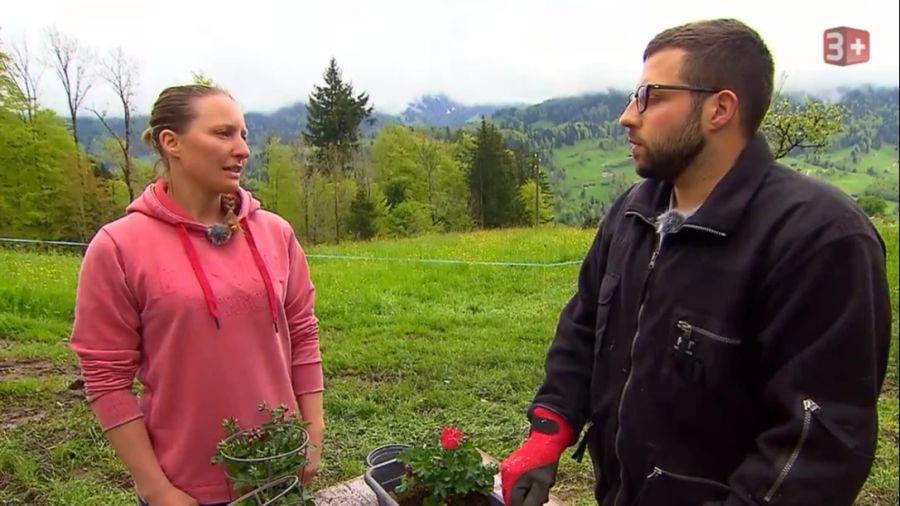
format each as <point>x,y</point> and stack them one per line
<point>258,459</point>
<point>448,473</point>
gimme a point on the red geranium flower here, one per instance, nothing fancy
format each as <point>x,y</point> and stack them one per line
<point>450,437</point>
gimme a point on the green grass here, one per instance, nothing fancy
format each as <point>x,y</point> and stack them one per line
<point>585,164</point>
<point>407,347</point>
<point>593,170</point>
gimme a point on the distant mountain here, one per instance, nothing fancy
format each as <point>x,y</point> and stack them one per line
<point>441,111</point>
<point>288,122</point>
<point>546,126</point>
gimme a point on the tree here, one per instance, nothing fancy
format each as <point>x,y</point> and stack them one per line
<point>334,115</point>
<point>363,216</point>
<point>528,170</point>
<point>810,125</point>
<point>537,207</point>
<point>11,98</point>
<point>26,73</point>
<point>121,74</point>
<point>72,63</point>
<point>871,205</point>
<point>279,190</point>
<point>410,165</point>
<point>198,77</point>
<point>491,182</point>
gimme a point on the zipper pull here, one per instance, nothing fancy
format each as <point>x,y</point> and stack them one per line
<point>813,408</point>
<point>685,329</point>
<point>653,259</point>
<point>810,405</point>
<point>656,472</point>
<point>578,454</point>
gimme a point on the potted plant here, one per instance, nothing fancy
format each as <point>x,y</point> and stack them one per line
<point>450,472</point>
<point>263,462</point>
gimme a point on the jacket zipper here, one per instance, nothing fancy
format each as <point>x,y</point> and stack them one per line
<point>687,332</point>
<point>646,287</point>
<point>809,407</point>
<point>650,266</point>
<point>657,472</point>
<point>704,229</point>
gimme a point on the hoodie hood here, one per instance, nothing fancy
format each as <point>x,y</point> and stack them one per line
<point>156,203</point>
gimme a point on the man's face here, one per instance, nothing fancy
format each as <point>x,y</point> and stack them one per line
<point>666,137</point>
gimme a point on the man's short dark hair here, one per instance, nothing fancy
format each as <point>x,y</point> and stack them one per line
<point>724,53</point>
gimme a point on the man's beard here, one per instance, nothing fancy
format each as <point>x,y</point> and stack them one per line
<point>672,156</point>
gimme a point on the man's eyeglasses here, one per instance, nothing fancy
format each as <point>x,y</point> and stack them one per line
<point>642,94</point>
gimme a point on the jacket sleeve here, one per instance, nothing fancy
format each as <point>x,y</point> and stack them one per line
<point>824,351</point>
<point>105,334</point>
<point>303,325</point>
<point>569,361</point>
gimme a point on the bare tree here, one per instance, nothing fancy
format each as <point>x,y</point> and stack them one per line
<point>27,74</point>
<point>72,63</point>
<point>121,74</point>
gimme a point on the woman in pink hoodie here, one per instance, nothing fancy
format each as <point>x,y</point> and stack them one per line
<point>205,298</point>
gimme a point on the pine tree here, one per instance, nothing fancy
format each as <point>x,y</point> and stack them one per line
<point>362,216</point>
<point>334,115</point>
<point>492,182</point>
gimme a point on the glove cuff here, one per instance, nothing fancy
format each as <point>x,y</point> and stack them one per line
<point>549,425</point>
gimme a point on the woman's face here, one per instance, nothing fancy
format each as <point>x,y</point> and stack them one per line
<point>212,151</point>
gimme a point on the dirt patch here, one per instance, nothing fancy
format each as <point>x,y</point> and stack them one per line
<point>30,368</point>
<point>15,416</point>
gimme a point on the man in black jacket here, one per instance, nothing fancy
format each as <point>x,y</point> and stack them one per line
<point>729,335</point>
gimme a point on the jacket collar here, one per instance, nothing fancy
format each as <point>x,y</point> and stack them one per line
<point>726,203</point>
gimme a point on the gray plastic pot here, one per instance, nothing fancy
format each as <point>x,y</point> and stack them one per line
<point>382,479</point>
<point>384,454</point>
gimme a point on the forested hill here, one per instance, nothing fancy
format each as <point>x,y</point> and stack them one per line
<point>558,122</point>
<point>872,118</point>
<point>288,122</point>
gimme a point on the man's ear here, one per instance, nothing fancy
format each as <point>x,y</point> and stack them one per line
<point>722,109</point>
<point>169,143</point>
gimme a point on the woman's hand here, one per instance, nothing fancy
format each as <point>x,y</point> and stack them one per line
<point>316,431</point>
<point>171,496</point>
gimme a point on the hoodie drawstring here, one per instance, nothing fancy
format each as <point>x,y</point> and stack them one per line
<point>198,272</point>
<point>257,258</point>
<point>204,282</point>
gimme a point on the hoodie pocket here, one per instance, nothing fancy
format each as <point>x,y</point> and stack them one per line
<point>663,487</point>
<point>604,301</point>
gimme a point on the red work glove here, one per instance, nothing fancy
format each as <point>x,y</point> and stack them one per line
<point>528,474</point>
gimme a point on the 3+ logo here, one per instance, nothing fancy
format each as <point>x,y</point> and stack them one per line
<point>845,46</point>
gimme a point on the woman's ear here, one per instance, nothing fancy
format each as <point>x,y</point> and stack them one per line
<point>723,109</point>
<point>169,143</point>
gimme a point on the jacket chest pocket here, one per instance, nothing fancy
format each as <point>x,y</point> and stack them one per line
<point>703,351</point>
<point>604,302</point>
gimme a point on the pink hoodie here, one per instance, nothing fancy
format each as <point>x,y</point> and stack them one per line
<point>210,331</point>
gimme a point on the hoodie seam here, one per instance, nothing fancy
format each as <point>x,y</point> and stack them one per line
<point>160,207</point>
<point>120,261</point>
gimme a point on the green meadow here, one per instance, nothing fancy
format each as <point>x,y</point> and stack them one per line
<point>408,346</point>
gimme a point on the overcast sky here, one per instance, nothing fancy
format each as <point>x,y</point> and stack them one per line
<point>270,53</point>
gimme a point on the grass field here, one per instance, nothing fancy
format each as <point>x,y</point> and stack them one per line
<point>585,164</point>
<point>407,347</point>
<point>591,169</point>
